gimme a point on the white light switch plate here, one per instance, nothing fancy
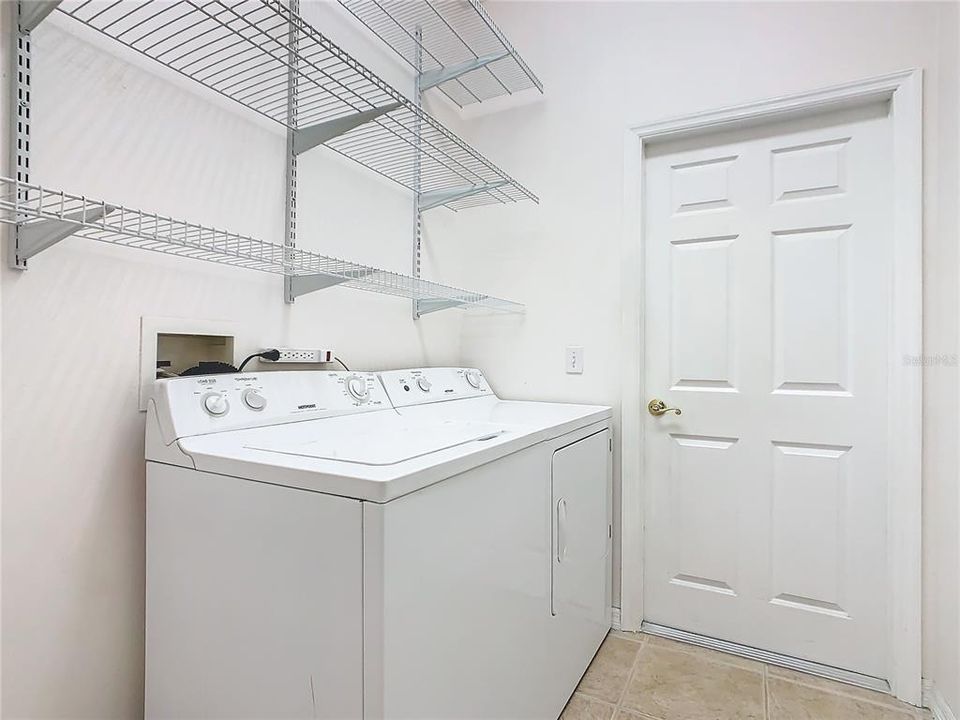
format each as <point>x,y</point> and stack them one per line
<point>574,359</point>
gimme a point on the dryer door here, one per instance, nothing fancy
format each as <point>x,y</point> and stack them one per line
<point>582,515</point>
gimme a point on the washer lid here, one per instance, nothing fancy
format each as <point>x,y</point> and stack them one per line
<point>374,446</point>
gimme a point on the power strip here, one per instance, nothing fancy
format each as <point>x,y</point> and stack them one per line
<point>301,355</point>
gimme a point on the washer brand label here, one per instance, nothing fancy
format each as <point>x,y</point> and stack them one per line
<point>311,406</point>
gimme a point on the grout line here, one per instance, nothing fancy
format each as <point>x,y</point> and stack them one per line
<point>633,671</point>
<point>591,698</point>
<point>717,657</point>
<point>766,695</point>
<point>834,687</point>
<point>637,713</point>
<point>635,637</point>
<point>812,682</point>
<point>616,703</point>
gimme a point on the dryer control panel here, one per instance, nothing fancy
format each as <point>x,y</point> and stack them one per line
<point>417,386</point>
<point>212,403</point>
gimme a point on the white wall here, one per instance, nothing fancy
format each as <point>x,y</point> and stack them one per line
<point>607,66</point>
<point>72,510</point>
<point>72,461</point>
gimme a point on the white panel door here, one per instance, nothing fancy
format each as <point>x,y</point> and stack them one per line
<point>767,313</point>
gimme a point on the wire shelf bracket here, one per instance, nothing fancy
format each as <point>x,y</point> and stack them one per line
<point>33,12</point>
<point>260,53</point>
<point>429,306</point>
<point>38,236</point>
<point>48,215</point>
<point>454,44</point>
<point>263,55</point>
<point>302,284</point>
<point>432,78</point>
<point>439,198</point>
<point>309,137</point>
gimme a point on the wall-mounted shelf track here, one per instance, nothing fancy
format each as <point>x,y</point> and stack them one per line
<point>454,44</point>
<point>248,50</point>
<point>43,217</point>
<point>263,55</point>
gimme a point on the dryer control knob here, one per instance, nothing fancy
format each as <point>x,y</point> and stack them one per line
<point>215,404</point>
<point>253,399</point>
<point>473,377</point>
<point>357,387</point>
<point>424,384</point>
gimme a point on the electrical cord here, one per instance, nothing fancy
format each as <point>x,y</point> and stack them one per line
<point>341,363</point>
<point>272,354</point>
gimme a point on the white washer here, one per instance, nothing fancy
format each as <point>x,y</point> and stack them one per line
<point>343,545</point>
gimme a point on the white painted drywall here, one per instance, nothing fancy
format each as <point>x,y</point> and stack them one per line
<point>72,462</point>
<point>607,66</point>
<point>72,499</point>
<point>941,385</point>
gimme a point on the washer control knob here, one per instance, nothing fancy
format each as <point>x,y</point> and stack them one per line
<point>215,404</point>
<point>253,399</point>
<point>424,384</point>
<point>473,377</point>
<point>357,387</point>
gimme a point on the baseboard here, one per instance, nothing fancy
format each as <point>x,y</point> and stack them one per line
<point>934,700</point>
<point>615,619</point>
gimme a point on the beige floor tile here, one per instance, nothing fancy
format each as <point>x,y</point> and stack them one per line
<point>792,701</point>
<point>678,685</point>
<point>623,714</point>
<point>705,653</point>
<point>608,673</point>
<point>582,707</point>
<point>838,688</point>
<point>627,635</point>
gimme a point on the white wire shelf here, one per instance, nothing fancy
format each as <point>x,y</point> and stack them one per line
<point>461,50</point>
<point>44,216</point>
<point>256,51</point>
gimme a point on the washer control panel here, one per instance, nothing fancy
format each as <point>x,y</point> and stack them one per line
<point>417,386</point>
<point>215,404</point>
<point>254,399</point>
<point>211,403</point>
<point>358,388</point>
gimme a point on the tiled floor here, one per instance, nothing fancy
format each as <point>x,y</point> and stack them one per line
<point>635,676</point>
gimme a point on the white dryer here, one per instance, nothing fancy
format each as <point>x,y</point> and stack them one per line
<point>340,545</point>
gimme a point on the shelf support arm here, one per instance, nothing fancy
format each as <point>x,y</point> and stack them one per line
<point>430,305</point>
<point>298,285</point>
<point>33,238</point>
<point>436,198</point>
<point>33,12</point>
<point>432,78</point>
<point>309,137</point>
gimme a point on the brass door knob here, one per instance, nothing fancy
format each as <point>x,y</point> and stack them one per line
<point>659,407</point>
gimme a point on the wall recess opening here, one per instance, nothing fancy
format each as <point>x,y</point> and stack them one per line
<point>168,346</point>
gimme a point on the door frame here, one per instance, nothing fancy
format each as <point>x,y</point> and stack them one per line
<point>904,90</point>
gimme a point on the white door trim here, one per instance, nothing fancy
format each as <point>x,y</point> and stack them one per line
<point>904,90</point>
